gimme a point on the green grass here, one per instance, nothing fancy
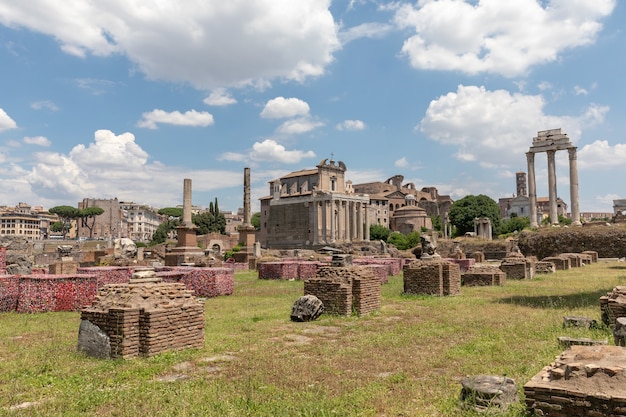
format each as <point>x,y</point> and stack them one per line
<point>405,360</point>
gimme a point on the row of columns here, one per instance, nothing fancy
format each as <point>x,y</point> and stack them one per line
<point>339,221</point>
<point>552,192</point>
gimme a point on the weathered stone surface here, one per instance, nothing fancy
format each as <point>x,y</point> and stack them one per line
<point>307,308</point>
<point>488,391</point>
<point>93,341</point>
<point>578,321</point>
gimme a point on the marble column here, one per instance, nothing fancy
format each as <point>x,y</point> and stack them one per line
<point>359,221</point>
<point>573,186</point>
<point>340,221</point>
<point>187,202</point>
<point>246,197</point>
<point>316,222</point>
<point>367,223</point>
<point>552,194</point>
<point>532,189</point>
<point>324,221</point>
<point>333,220</point>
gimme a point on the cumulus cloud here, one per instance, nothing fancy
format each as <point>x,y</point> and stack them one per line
<point>189,118</point>
<point>270,150</point>
<point>298,126</point>
<point>503,37</point>
<point>219,97</point>
<point>372,30</point>
<point>37,140</point>
<point>402,163</point>
<point>351,125</point>
<point>281,107</point>
<point>258,39</point>
<point>110,166</point>
<point>601,155</point>
<point>6,122</point>
<point>496,127</point>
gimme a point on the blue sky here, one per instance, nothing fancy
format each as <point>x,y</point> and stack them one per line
<point>119,99</point>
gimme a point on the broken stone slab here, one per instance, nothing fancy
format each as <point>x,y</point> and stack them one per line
<point>485,392</point>
<point>579,321</point>
<point>93,341</point>
<point>307,308</point>
<point>619,331</point>
<point>567,341</point>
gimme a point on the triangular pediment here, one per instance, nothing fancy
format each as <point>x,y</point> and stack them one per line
<point>396,194</point>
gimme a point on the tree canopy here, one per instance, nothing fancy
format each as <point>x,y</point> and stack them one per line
<point>171,212</point>
<point>379,232</point>
<point>255,220</point>
<point>464,211</point>
<point>88,217</point>
<point>66,214</point>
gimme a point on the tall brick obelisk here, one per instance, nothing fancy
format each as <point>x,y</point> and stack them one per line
<point>247,232</point>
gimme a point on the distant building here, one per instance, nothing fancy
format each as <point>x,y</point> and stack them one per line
<point>401,207</point>
<point>233,221</point>
<point>519,205</point>
<point>313,208</point>
<point>111,224</point>
<point>142,220</point>
<point>25,221</point>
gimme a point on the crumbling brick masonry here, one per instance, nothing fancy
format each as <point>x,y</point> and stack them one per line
<point>432,277</point>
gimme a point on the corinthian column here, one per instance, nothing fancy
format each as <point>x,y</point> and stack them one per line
<point>187,202</point>
<point>573,186</point>
<point>554,217</point>
<point>532,189</point>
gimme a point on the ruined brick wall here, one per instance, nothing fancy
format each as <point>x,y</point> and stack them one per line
<point>451,278</point>
<point>561,263</point>
<point>423,278</point>
<point>483,278</point>
<point>3,260</point>
<point>515,269</point>
<point>39,293</point>
<point>9,292</point>
<point>342,289</point>
<point>545,267</point>
<point>593,254</point>
<point>147,319</point>
<point>381,272</point>
<point>287,270</point>
<point>288,226</point>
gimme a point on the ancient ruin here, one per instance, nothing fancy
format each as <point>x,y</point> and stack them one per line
<point>550,141</point>
<point>142,318</point>
<point>432,277</point>
<point>186,250</point>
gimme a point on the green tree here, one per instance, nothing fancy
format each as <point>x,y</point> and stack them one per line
<point>67,214</point>
<point>255,220</point>
<point>208,222</point>
<point>88,218</point>
<point>563,221</point>
<point>379,232</point>
<point>464,211</point>
<point>402,241</point>
<point>514,224</point>
<point>57,227</point>
<point>171,212</point>
<point>161,233</point>
<point>437,223</point>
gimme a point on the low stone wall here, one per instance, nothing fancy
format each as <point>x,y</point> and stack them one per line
<point>518,268</point>
<point>342,289</point>
<point>583,381</point>
<point>593,254</point>
<point>287,270</point>
<point>9,292</point>
<point>108,274</point>
<point>3,260</point>
<point>483,278</point>
<point>381,272</point>
<point>41,293</point>
<point>561,263</point>
<point>464,264</point>
<point>613,305</point>
<point>434,277</point>
<point>545,267</point>
<point>394,264</point>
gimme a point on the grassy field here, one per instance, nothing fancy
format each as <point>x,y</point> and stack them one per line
<point>405,360</point>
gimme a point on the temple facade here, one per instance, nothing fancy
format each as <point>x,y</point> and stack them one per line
<point>313,208</point>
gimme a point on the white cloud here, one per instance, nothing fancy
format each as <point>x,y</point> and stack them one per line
<point>37,140</point>
<point>219,97</point>
<point>189,118</point>
<point>6,122</point>
<point>372,30</point>
<point>601,155</point>
<point>351,125</point>
<point>544,85</point>
<point>270,150</point>
<point>44,104</point>
<point>281,107</point>
<point>503,37</point>
<point>495,128</point>
<point>110,166</point>
<point>240,42</point>
<point>579,91</point>
<point>298,126</point>
<point>401,163</point>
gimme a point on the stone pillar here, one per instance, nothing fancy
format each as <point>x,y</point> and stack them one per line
<point>359,221</point>
<point>573,186</point>
<point>532,189</point>
<point>554,217</point>
<point>324,221</point>
<point>340,221</point>
<point>246,197</point>
<point>315,207</point>
<point>187,202</point>
<point>367,223</point>
<point>333,220</point>
<point>353,222</point>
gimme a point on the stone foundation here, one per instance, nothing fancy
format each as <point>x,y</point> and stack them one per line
<point>561,263</point>
<point>545,267</point>
<point>613,305</point>
<point>42,293</point>
<point>342,289</point>
<point>142,319</point>
<point>434,277</point>
<point>3,260</point>
<point>592,254</point>
<point>9,292</point>
<point>518,268</point>
<point>583,381</point>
